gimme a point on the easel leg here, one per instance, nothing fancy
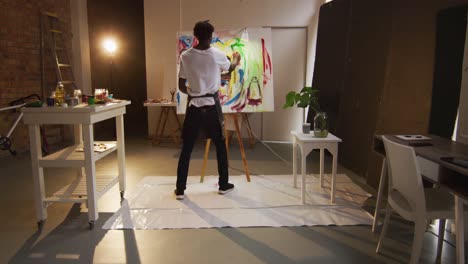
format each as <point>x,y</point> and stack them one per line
<point>226,133</point>
<point>179,127</point>
<point>241,146</point>
<point>165,116</point>
<point>156,130</point>
<point>245,118</point>
<point>205,158</point>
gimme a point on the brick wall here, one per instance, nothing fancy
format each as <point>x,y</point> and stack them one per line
<point>20,56</point>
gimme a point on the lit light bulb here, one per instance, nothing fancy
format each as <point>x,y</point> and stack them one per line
<point>110,45</point>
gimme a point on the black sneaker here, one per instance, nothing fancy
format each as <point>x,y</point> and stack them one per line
<point>179,195</point>
<point>226,188</point>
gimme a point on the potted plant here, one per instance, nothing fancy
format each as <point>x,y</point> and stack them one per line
<point>308,97</point>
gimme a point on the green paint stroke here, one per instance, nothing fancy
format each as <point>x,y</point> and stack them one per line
<point>251,58</point>
<point>254,61</point>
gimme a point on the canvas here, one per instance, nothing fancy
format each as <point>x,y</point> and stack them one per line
<point>249,88</point>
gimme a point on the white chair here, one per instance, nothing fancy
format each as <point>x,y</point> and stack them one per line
<point>413,202</point>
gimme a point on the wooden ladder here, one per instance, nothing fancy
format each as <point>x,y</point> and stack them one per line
<point>54,45</point>
<point>55,53</point>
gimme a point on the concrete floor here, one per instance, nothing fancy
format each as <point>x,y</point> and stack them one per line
<point>66,238</point>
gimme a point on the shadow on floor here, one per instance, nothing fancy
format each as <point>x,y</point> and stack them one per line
<point>71,241</point>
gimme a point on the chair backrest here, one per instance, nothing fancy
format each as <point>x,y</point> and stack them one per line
<point>405,175</point>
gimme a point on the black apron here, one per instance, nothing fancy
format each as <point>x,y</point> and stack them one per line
<point>219,110</point>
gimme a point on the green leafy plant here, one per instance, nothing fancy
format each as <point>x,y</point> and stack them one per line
<point>308,96</point>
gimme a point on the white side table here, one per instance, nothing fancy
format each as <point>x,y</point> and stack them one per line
<point>309,142</point>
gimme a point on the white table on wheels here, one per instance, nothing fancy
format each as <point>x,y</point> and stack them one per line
<point>307,143</point>
<point>82,117</point>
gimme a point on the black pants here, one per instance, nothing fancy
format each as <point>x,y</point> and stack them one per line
<point>202,119</point>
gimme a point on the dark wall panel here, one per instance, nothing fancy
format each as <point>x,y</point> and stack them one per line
<point>368,53</point>
<point>331,58</point>
<point>405,106</point>
<point>352,49</point>
<point>450,45</point>
<point>123,20</point>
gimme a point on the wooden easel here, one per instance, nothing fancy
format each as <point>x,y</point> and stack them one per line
<point>241,147</point>
<point>245,119</point>
<point>163,116</point>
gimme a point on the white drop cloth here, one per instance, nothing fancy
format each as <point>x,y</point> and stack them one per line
<point>265,201</point>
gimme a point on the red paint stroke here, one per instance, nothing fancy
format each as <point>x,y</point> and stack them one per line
<point>195,42</point>
<point>180,47</point>
<point>266,64</point>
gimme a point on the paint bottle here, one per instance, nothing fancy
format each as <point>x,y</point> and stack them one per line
<point>59,94</point>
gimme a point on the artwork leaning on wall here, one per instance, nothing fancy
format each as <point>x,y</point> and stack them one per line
<point>249,88</point>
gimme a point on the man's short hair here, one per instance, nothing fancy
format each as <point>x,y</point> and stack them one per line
<point>203,30</point>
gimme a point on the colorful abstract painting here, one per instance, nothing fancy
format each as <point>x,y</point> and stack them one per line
<point>249,88</point>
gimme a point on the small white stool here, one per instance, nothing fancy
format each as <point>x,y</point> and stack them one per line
<point>309,142</point>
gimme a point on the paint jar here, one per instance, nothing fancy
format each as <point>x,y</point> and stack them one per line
<point>72,101</point>
<point>90,99</point>
<point>50,101</point>
<point>78,95</point>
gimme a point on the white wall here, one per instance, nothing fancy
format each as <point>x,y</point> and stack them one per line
<point>240,13</point>
<point>163,18</point>
<point>289,72</point>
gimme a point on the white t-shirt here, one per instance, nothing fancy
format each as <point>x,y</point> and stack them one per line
<point>202,69</point>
